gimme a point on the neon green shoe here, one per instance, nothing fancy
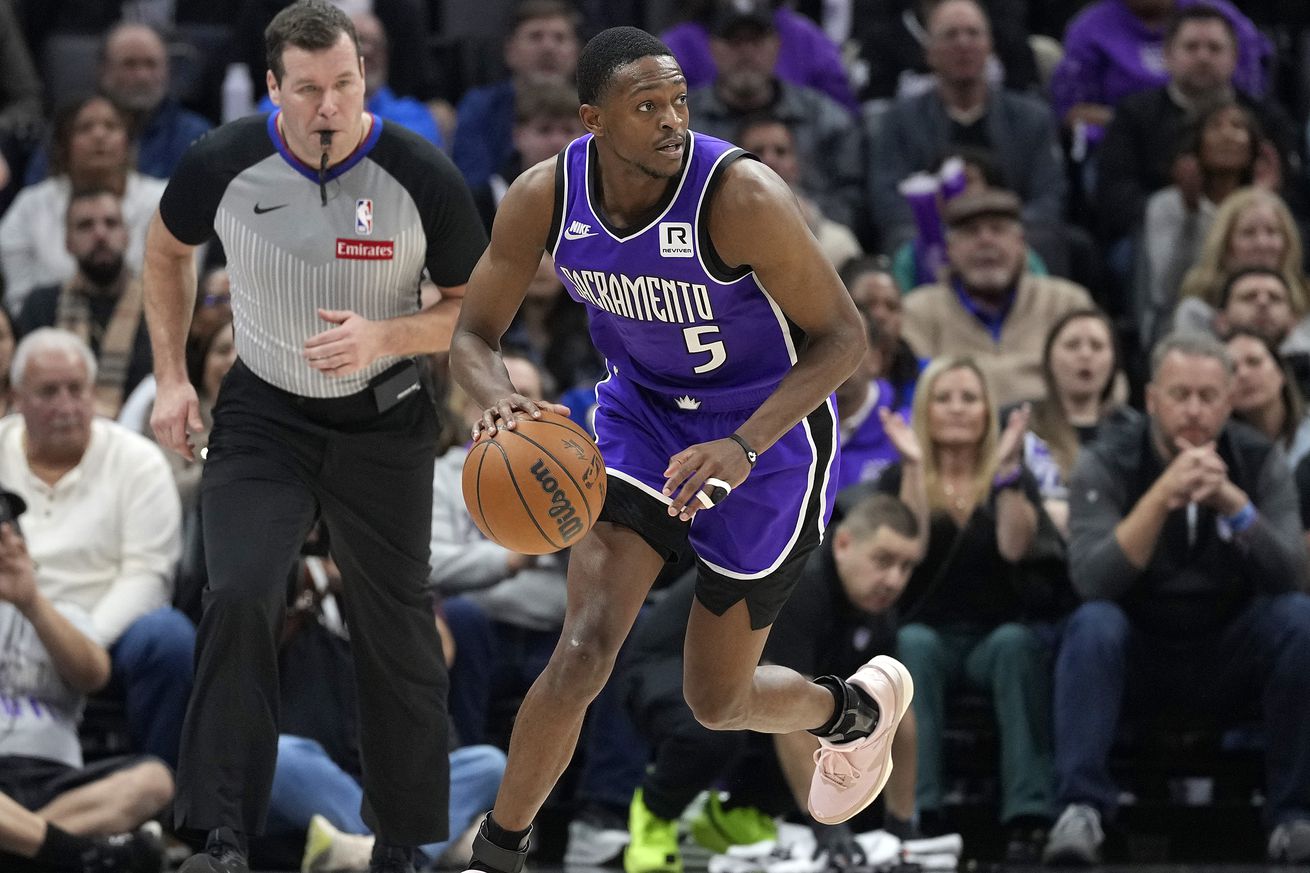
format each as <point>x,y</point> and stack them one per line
<point>717,828</point>
<point>654,844</point>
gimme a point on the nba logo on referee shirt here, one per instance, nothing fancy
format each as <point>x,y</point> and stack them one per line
<point>364,217</point>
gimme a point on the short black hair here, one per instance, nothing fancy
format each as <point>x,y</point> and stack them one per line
<point>77,195</point>
<point>1226,292</point>
<point>1199,12</point>
<point>762,118</point>
<point>876,511</point>
<point>312,25</point>
<point>608,52</point>
<point>858,266</point>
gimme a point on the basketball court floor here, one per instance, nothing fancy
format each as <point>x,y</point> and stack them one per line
<point>998,868</point>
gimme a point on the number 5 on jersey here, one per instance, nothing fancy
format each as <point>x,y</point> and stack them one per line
<point>694,337</point>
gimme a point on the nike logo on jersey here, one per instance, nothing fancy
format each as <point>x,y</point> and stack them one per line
<point>260,210</point>
<point>578,230</point>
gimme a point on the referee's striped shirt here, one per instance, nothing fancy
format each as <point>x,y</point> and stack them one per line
<point>397,205</point>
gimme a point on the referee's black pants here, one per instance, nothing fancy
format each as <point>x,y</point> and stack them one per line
<point>277,461</point>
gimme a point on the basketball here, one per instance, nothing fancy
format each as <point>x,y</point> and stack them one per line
<point>535,489</point>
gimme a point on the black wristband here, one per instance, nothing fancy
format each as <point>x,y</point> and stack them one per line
<point>751,455</point>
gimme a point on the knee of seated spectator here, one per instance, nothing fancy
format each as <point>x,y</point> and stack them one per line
<point>1290,615</point>
<point>162,637</point>
<point>481,763</point>
<point>919,644</point>
<point>1015,643</point>
<point>1292,610</point>
<point>1099,624</point>
<point>291,749</point>
<point>150,785</point>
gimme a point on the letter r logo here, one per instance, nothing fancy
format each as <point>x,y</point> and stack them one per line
<point>675,240</point>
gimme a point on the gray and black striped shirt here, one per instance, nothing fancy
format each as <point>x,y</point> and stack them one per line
<point>395,207</point>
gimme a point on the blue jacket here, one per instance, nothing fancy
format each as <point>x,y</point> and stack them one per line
<point>484,139</point>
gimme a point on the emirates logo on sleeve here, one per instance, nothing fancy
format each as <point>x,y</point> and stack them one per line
<point>366,250</point>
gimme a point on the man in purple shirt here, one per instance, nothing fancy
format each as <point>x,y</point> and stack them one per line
<point>807,57</point>
<point>1116,47</point>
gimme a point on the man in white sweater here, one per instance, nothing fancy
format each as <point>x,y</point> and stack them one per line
<point>103,526</point>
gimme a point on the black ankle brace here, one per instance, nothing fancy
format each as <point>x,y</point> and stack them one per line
<point>493,858</point>
<point>855,715</point>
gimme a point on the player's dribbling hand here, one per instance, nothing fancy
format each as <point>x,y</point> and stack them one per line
<point>510,409</point>
<point>176,416</point>
<point>689,470</point>
<point>351,344</point>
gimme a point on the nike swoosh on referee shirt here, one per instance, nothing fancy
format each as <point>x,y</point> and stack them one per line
<point>260,210</point>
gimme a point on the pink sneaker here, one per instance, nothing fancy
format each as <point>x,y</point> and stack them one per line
<point>848,776</point>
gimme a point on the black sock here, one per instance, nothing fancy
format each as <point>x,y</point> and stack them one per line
<point>514,841</point>
<point>62,849</point>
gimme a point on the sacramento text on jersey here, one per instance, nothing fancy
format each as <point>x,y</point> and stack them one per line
<point>645,298</point>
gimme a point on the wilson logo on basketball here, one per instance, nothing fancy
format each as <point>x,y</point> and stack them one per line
<point>366,250</point>
<point>561,508</point>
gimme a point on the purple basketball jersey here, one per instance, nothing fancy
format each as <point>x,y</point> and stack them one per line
<point>663,308</point>
<point>692,349</point>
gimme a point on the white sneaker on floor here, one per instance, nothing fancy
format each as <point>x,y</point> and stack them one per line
<point>1076,837</point>
<point>329,850</point>
<point>593,843</point>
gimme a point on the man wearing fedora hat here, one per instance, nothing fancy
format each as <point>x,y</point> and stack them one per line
<point>989,306</point>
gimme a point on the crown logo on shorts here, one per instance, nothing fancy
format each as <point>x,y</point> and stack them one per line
<point>686,402</point>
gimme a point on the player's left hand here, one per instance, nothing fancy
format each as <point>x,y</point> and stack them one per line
<point>689,469</point>
<point>350,345</point>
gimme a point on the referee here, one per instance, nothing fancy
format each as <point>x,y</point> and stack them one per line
<point>328,218</point>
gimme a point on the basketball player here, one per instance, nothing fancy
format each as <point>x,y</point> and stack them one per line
<point>725,332</point>
<point>329,218</point>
